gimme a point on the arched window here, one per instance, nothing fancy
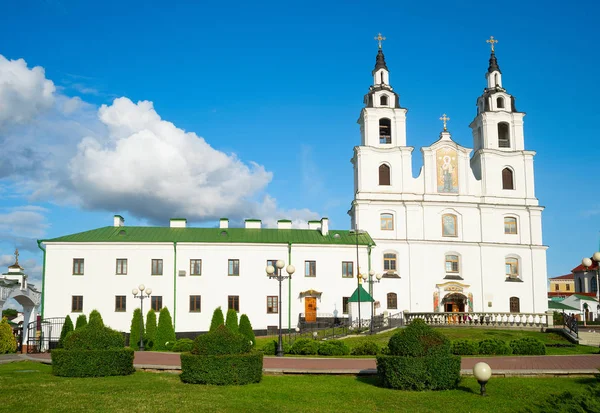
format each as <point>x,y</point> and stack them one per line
<point>515,305</point>
<point>507,179</point>
<point>389,262</point>
<point>449,225</point>
<point>580,286</point>
<point>594,285</point>
<point>387,221</point>
<point>503,135</point>
<point>452,263</point>
<point>512,267</point>
<point>392,301</point>
<point>500,103</point>
<point>385,130</point>
<point>383,100</point>
<point>510,225</point>
<point>496,79</point>
<point>384,174</point>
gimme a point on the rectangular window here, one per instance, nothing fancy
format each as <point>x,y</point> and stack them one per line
<point>451,263</point>
<point>568,287</point>
<point>345,305</point>
<point>234,268</point>
<point>512,268</point>
<point>233,303</point>
<point>121,266</point>
<point>195,267</point>
<point>389,262</point>
<point>120,303</point>
<point>392,301</point>
<point>556,288</point>
<point>195,303</point>
<point>449,225</point>
<point>510,225</point>
<point>347,269</point>
<point>77,266</point>
<point>272,304</point>
<point>157,267</point>
<point>310,268</point>
<point>76,303</point>
<point>156,302</point>
<point>387,222</point>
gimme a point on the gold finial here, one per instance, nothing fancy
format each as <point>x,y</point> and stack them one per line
<point>379,38</point>
<point>444,119</point>
<point>16,256</point>
<point>491,41</point>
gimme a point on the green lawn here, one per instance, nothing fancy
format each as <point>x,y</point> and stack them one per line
<point>455,333</point>
<point>30,387</point>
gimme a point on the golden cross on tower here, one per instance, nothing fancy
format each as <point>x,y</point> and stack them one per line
<point>445,119</point>
<point>379,38</point>
<point>491,41</point>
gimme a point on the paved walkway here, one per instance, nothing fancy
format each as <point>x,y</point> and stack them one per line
<point>502,366</point>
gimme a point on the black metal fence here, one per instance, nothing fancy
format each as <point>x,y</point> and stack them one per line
<point>570,324</point>
<point>43,334</point>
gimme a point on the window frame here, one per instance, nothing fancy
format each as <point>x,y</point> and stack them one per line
<point>385,139</point>
<point>386,221</point>
<point>156,303</point>
<point>516,300</point>
<point>504,143</point>
<point>385,175</point>
<point>78,266</point>
<point>310,268</point>
<point>77,303</point>
<point>120,303</point>
<point>511,275</point>
<point>231,267</point>
<point>195,303</point>
<point>387,258</point>
<point>510,223</point>
<point>193,262</point>
<point>159,263</point>
<point>272,304</point>
<point>119,269</point>
<point>233,301</point>
<point>347,268</point>
<point>383,100</point>
<point>455,221</point>
<point>448,259</point>
<point>509,176</point>
<point>345,305</point>
<point>392,301</point>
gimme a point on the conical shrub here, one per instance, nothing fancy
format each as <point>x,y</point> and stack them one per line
<point>150,329</point>
<point>137,329</point>
<point>81,321</point>
<point>217,319</point>
<point>66,329</point>
<point>165,333</point>
<point>246,329</point>
<point>232,321</point>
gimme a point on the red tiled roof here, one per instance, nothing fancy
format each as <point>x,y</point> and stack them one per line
<point>561,293</point>
<point>581,268</point>
<point>564,277</point>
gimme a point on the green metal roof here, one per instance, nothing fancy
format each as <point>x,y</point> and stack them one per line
<point>215,235</point>
<point>365,297</point>
<point>553,305</point>
<point>585,297</point>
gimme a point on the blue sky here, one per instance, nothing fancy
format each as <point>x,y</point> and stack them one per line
<point>274,89</point>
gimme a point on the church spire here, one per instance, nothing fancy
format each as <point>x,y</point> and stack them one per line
<point>380,61</point>
<point>381,71</point>
<point>493,67</point>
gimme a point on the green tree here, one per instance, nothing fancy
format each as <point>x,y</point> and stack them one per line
<point>96,319</point>
<point>232,321</point>
<point>246,329</point>
<point>165,333</point>
<point>150,329</point>
<point>66,329</point>
<point>81,321</point>
<point>137,329</point>
<point>10,313</point>
<point>8,343</point>
<point>217,319</point>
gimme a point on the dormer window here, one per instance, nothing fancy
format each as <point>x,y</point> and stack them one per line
<point>500,103</point>
<point>385,131</point>
<point>383,100</point>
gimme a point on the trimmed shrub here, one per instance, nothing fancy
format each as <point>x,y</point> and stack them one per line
<point>165,334</point>
<point>246,329</point>
<point>418,340</point>
<point>222,369</point>
<point>493,346</point>
<point>528,346</point>
<point>92,363</point>
<point>270,348</point>
<point>183,344</point>
<point>221,341</point>
<point>150,329</point>
<point>91,338</point>
<point>305,346</point>
<point>232,321</point>
<point>465,347</point>
<point>8,343</point>
<point>333,348</point>
<point>66,329</point>
<point>366,348</point>
<point>96,319</point>
<point>137,330</point>
<point>81,321</point>
<point>217,319</point>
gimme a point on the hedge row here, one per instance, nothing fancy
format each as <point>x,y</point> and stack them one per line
<point>92,363</point>
<point>493,346</point>
<point>434,372</point>
<point>221,369</point>
<point>305,346</point>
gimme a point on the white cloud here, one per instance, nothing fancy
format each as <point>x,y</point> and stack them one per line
<point>24,222</point>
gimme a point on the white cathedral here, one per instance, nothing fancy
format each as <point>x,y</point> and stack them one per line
<point>463,236</point>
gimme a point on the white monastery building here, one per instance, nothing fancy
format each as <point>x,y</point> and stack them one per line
<point>463,236</point>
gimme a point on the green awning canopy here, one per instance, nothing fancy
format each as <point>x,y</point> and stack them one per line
<point>365,297</point>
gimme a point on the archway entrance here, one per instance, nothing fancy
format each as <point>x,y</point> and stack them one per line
<point>454,303</point>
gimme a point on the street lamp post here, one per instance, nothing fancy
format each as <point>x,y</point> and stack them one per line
<point>587,263</point>
<point>358,277</point>
<point>139,293</point>
<point>290,269</point>
<point>371,281</point>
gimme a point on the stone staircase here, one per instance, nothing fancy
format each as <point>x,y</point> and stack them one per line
<point>587,338</point>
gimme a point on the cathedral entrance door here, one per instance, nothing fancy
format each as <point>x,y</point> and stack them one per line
<point>310,309</point>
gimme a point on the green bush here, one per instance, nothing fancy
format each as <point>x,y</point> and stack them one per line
<point>81,321</point>
<point>246,329</point>
<point>465,347</point>
<point>183,344</point>
<point>66,329</point>
<point>165,333</point>
<point>96,319</point>
<point>217,319</point>
<point>150,329</point>
<point>528,346</point>
<point>366,348</point>
<point>434,372</point>
<point>232,321</point>
<point>92,363</point>
<point>221,341</point>
<point>137,330</point>
<point>333,348</point>
<point>493,346</point>
<point>418,340</point>
<point>222,369</point>
<point>8,343</point>
<point>305,346</point>
<point>270,348</point>
<point>93,338</point>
